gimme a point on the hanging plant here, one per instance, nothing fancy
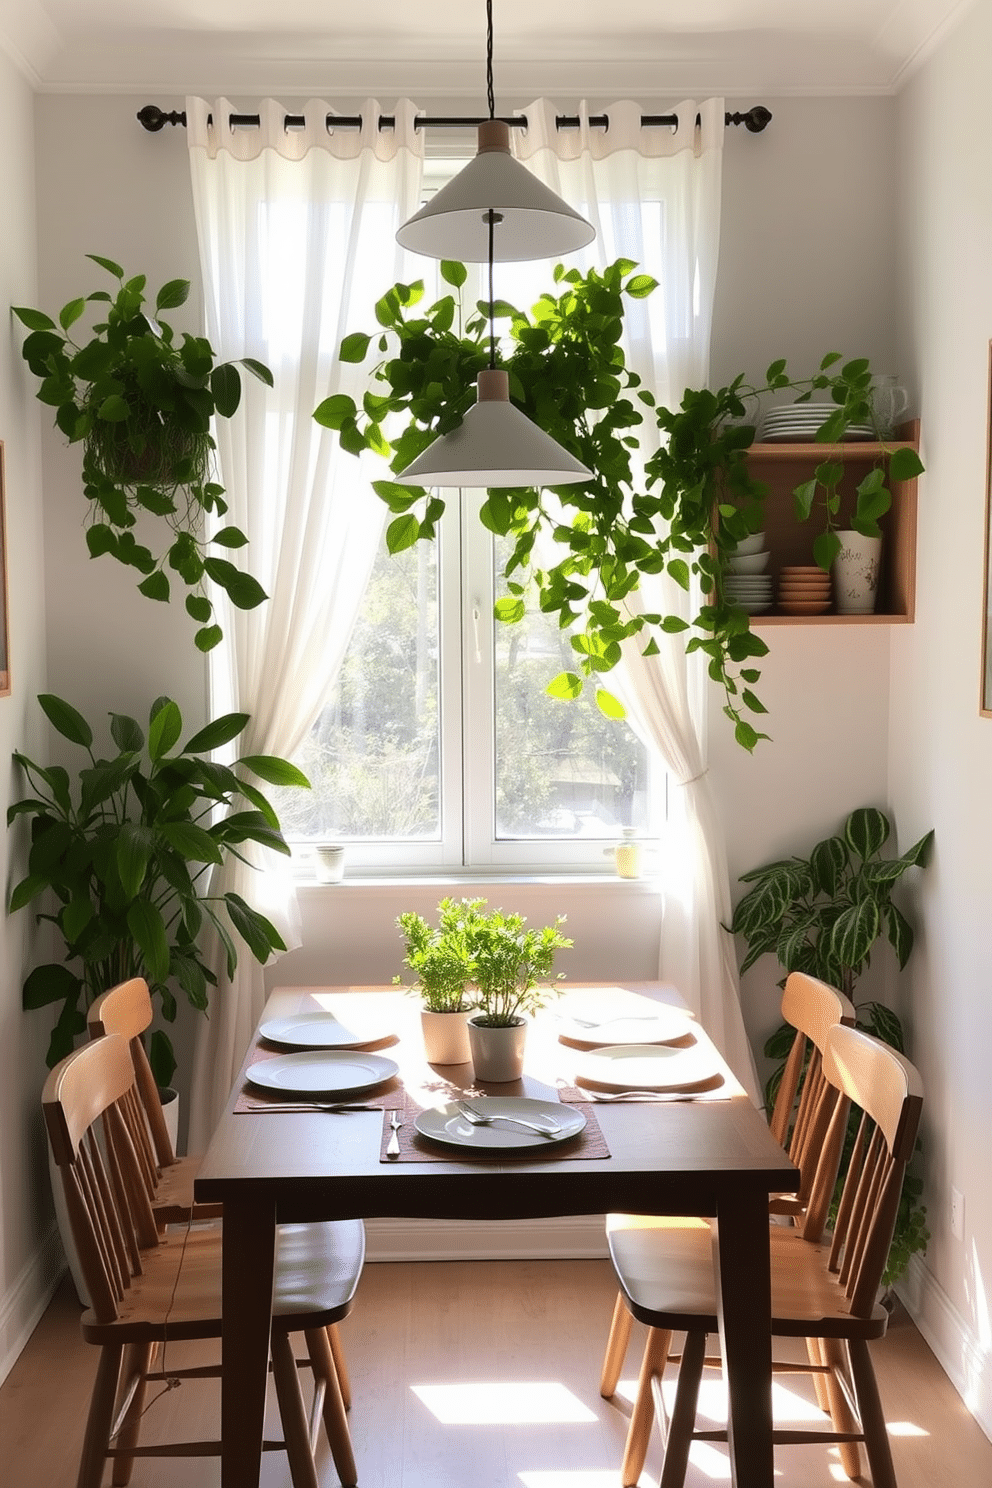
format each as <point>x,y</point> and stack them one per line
<point>681,510</point>
<point>141,404</point>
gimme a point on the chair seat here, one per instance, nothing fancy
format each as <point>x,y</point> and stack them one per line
<point>665,1268</point>
<point>316,1274</point>
<point>173,1201</point>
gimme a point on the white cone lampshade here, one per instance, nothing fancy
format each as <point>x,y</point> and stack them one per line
<point>532,222</point>
<point>495,445</point>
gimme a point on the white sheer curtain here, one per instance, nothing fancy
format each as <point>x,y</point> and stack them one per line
<point>653,195</point>
<point>296,231</point>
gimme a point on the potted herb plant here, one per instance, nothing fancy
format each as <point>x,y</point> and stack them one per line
<point>509,962</point>
<point>682,512</point>
<point>441,959</point>
<point>140,402</point>
<point>824,915</point>
<point>120,860</point>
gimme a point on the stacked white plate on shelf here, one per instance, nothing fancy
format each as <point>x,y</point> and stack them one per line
<point>746,583</point>
<point>799,423</point>
<point>804,590</point>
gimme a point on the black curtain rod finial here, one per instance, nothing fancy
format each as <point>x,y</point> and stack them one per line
<point>152,118</point>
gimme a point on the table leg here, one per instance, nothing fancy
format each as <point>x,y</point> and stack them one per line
<point>249,1253</point>
<point>743,1273</point>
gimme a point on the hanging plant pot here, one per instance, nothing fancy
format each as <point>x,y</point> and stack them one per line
<point>148,451</point>
<point>498,1053</point>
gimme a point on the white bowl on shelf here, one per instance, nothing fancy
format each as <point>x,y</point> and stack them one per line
<point>749,563</point>
<point>752,544</point>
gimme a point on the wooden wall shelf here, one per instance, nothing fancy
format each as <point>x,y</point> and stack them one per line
<point>782,467</point>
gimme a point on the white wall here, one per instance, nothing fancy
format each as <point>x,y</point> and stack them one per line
<point>940,749</point>
<point>28,1258</point>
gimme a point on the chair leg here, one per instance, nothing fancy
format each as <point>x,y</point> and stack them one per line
<point>883,1474</point>
<point>137,1362</point>
<point>684,1412</point>
<point>100,1418</point>
<point>834,1353</point>
<point>814,1353</point>
<point>341,1368</point>
<point>616,1348</point>
<point>659,1341</point>
<point>295,1427</point>
<point>334,1414</point>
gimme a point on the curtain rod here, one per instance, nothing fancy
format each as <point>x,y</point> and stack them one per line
<point>153,119</point>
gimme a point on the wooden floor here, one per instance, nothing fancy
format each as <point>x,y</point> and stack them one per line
<point>476,1375</point>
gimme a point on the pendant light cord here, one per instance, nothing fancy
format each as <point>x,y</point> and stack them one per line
<point>492,304</point>
<point>489,59</point>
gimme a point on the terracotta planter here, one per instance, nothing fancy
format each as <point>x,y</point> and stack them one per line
<point>498,1053</point>
<point>445,1037</point>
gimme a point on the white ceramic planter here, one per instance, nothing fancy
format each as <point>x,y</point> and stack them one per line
<point>855,573</point>
<point>330,863</point>
<point>498,1053</point>
<point>445,1037</point>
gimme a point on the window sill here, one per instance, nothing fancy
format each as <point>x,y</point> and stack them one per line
<point>453,884</point>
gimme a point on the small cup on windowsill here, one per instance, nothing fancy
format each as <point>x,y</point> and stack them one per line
<point>329,862</point>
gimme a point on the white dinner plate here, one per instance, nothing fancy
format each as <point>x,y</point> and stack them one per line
<point>315,1031</point>
<point>666,1025</point>
<point>321,1072</point>
<point>447,1125</point>
<point>657,1067</point>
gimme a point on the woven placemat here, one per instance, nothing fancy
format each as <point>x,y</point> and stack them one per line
<point>588,1143</point>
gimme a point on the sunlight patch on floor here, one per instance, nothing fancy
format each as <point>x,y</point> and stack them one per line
<point>904,1428</point>
<point>592,1477</point>
<point>491,1403</point>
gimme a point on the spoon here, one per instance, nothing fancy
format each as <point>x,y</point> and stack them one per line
<point>478,1119</point>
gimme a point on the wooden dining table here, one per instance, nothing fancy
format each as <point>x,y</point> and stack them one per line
<point>710,1156</point>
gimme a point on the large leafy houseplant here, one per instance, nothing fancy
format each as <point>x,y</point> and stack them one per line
<point>824,915</point>
<point>121,855</point>
<point>509,962</point>
<point>670,490</point>
<point>141,403</point>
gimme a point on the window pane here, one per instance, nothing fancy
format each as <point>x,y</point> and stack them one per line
<point>563,769</point>
<point>373,756</point>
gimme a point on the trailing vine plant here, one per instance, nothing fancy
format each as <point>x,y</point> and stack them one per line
<point>680,509</point>
<point>141,401</point>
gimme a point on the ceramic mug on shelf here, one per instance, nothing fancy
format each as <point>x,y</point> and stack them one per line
<point>889,401</point>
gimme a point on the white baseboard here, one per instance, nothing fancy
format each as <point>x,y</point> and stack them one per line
<point>577,1237</point>
<point>965,1359</point>
<point>22,1307</point>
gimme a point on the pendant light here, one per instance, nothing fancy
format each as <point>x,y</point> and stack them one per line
<point>495,444</point>
<point>533,222</point>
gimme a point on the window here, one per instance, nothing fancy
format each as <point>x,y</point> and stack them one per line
<point>440,747</point>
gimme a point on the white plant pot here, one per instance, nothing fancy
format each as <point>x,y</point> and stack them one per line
<point>330,863</point>
<point>855,573</point>
<point>170,1113</point>
<point>498,1053</point>
<point>446,1037</point>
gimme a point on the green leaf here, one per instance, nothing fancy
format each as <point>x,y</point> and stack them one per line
<point>113,410</point>
<point>208,638</point>
<point>192,842</point>
<point>148,928</point>
<point>274,771</point>
<point>229,537</point>
<point>826,546</point>
<point>100,539</point>
<point>198,607</point>
<point>172,295</point>
<point>640,286</point>
<point>566,685</point>
<point>854,932</point>
<point>217,733</point>
<point>35,320</point>
<point>804,496</point>
<point>48,984</point>
<point>828,862</point>
<point>453,272</point>
<point>164,729</point>
<point>70,724</point>
<point>402,533</point>
<point>244,591</point>
<point>904,464</point>
<point>260,936</point>
<point>126,733</point>
<point>608,705</point>
<point>108,264</point>
<point>509,610</point>
<point>156,586</point>
<point>225,384</point>
<point>354,348</point>
<point>866,831</point>
<point>135,845</point>
<point>70,313</point>
<point>332,413</point>
<point>26,890</point>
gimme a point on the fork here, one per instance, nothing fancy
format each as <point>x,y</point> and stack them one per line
<point>478,1119</point>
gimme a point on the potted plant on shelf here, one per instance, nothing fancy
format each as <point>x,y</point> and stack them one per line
<point>120,859</point>
<point>441,959</point>
<point>683,512</point>
<point>141,403</point>
<point>509,962</point>
<point>824,915</point>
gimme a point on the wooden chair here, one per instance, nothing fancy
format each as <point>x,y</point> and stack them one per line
<point>148,1288</point>
<point>127,1011</point>
<point>823,1288</point>
<point>799,1120</point>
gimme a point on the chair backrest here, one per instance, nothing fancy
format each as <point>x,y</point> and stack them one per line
<point>805,1099</point>
<point>105,1188</point>
<point>887,1090</point>
<point>127,1010</point>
